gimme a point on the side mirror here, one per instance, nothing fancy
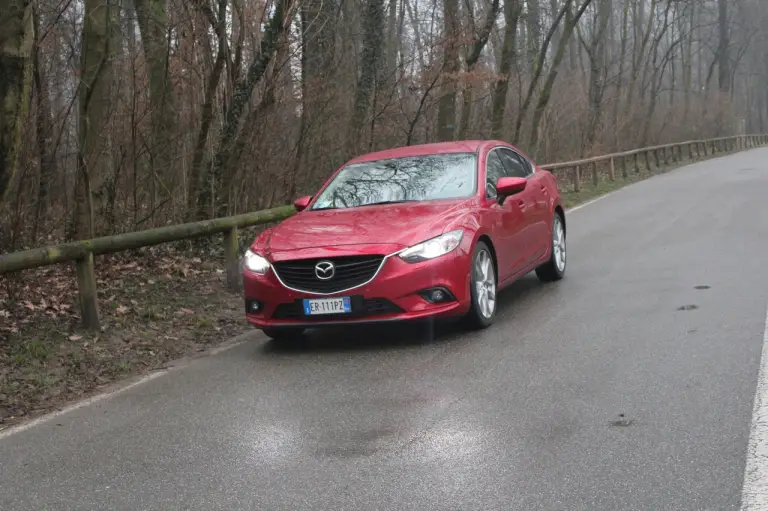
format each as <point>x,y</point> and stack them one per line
<point>507,186</point>
<point>302,202</point>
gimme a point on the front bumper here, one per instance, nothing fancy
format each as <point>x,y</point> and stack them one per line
<point>395,294</point>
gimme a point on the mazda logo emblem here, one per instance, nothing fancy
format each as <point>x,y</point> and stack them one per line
<point>325,270</point>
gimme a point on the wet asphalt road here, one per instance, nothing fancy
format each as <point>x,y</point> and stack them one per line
<point>526,415</point>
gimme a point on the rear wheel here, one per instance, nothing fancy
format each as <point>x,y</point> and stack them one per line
<point>554,269</point>
<point>284,334</point>
<point>482,288</point>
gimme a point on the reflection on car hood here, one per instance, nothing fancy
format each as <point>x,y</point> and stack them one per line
<point>393,224</point>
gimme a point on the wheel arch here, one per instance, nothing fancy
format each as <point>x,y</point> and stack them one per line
<point>489,243</point>
<point>559,211</point>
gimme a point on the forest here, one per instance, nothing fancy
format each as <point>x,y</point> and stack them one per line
<point>130,114</point>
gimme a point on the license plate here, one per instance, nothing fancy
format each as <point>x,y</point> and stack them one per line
<point>316,306</point>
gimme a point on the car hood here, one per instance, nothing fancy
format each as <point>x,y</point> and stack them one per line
<point>397,225</point>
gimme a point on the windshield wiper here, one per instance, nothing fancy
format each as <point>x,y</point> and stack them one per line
<point>387,202</point>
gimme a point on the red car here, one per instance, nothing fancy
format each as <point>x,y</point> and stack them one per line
<point>422,231</point>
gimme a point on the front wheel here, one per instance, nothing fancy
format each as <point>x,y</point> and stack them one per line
<point>482,288</point>
<point>554,268</point>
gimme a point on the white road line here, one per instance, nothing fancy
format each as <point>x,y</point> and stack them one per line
<point>123,387</point>
<point>584,205</point>
<point>79,404</point>
<point>754,493</point>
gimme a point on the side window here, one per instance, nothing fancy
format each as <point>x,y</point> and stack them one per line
<point>494,169</point>
<point>516,166</point>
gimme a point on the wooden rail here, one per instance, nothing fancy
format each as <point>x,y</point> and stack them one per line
<point>83,252</point>
<point>655,155</point>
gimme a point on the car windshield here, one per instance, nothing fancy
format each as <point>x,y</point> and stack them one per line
<point>406,179</point>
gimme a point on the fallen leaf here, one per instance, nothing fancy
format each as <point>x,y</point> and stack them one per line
<point>75,337</point>
<point>122,309</point>
<point>29,305</point>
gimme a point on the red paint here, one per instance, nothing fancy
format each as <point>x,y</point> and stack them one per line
<point>519,229</point>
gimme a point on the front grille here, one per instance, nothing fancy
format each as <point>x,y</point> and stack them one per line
<point>360,307</point>
<point>351,271</point>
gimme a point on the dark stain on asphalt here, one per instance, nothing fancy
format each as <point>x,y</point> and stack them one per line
<point>688,307</point>
<point>373,435</point>
<point>347,451</point>
<point>701,287</point>
<point>622,422</point>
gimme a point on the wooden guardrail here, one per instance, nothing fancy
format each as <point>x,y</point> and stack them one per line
<point>83,252</point>
<point>655,155</point>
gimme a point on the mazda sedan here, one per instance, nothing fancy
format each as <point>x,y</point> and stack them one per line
<point>422,231</point>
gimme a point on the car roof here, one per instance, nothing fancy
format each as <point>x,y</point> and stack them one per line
<point>461,146</point>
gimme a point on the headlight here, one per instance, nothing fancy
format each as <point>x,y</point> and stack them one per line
<point>435,247</point>
<point>255,262</point>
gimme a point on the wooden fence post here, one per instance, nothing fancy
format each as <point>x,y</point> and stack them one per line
<point>656,157</point>
<point>624,167</point>
<point>637,163</point>
<point>595,175</point>
<point>232,259</point>
<point>612,170</point>
<point>86,290</point>
<point>576,179</point>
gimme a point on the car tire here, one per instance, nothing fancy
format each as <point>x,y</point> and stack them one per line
<point>483,287</point>
<point>284,334</point>
<point>554,268</point>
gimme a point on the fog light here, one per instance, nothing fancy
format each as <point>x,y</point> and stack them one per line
<point>437,295</point>
<point>252,306</point>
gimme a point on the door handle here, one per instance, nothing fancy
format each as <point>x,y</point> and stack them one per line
<point>521,203</point>
<point>544,189</point>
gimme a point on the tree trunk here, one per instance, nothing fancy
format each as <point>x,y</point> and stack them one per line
<point>723,50</point>
<point>370,63</point>
<point>153,26</point>
<point>571,21</point>
<point>446,106</point>
<point>508,54</point>
<point>318,91</point>
<point>44,129</point>
<point>597,71</point>
<point>198,198</point>
<point>17,35</point>
<point>221,172</point>
<point>478,43</point>
<point>95,94</point>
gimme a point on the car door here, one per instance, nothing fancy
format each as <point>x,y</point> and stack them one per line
<point>543,215</point>
<point>508,220</point>
<point>527,202</point>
